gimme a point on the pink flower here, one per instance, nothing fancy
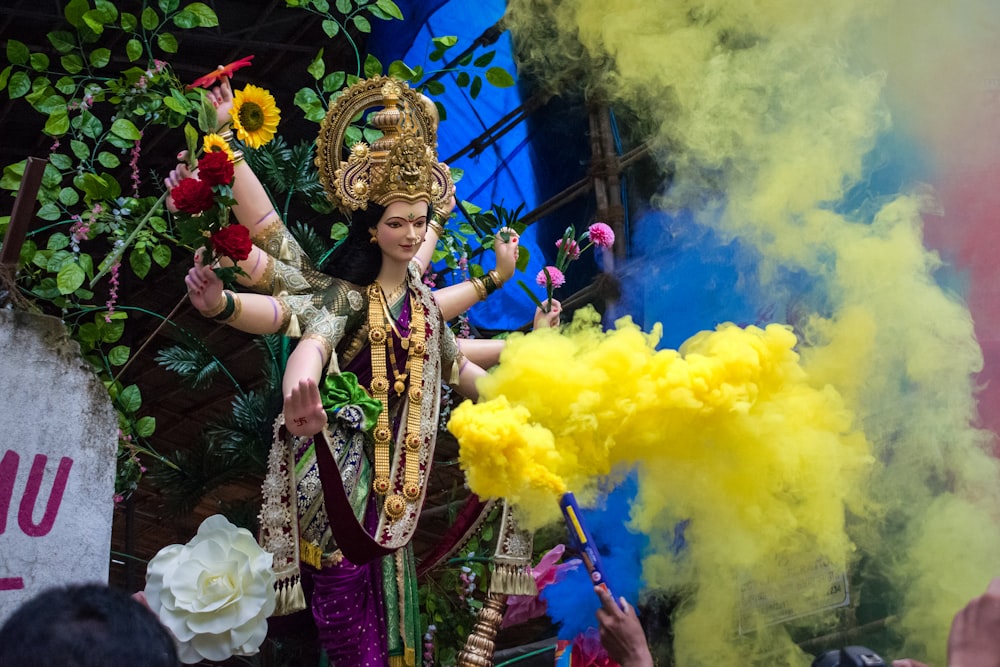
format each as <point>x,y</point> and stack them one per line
<point>555,275</point>
<point>572,249</point>
<point>523,608</point>
<point>601,235</point>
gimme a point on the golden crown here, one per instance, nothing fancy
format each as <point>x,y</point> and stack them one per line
<point>400,165</point>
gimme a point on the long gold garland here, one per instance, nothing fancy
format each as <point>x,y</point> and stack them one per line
<point>379,327</point>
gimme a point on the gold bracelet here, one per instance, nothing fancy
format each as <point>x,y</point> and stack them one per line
<point>497,278</point>
<point>237,309</point>
<point>226,134</point>
<point>435,225</point>
<point>218,308</point>
<point>480,287</point>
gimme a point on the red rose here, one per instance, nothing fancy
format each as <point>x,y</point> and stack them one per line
<point>193,196</point>
<point>215,169</point>
<point>233,242</point>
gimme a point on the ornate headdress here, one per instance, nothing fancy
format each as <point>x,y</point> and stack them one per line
<point>401,165</point>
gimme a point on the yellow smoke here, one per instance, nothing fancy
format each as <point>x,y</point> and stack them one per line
<point>730,432</point>
<point>765,115</point>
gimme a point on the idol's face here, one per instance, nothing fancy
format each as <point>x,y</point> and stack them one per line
<point>401,230</point>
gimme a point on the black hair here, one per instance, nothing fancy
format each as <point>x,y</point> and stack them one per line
<point>85,625</point>
<point>357,259</point>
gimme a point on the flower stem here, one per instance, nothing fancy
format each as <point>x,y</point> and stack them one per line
<point>534,298</point>
<point>116,255</point>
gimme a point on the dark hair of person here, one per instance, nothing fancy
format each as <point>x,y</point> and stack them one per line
<point>357,260</point>
<point>87,625</point>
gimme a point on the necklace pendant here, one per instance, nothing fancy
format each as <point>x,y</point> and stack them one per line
<point>405,342</point>
<point>400,387</point>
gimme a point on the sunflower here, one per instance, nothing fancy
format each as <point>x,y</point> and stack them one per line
<point>215,144</point>
<point>255,116</point>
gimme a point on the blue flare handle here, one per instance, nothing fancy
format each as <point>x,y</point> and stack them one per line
<point>582,541</point>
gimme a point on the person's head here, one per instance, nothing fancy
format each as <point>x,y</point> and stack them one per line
<point>87,625</point>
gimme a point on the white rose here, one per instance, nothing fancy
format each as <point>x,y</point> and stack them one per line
<point>214,593</point>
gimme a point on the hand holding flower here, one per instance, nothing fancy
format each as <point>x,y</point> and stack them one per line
<point>545,319</point>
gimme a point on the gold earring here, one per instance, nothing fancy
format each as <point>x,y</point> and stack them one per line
<point>374,238</point>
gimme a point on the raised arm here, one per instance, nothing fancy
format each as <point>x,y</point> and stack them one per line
<point>456,299</point>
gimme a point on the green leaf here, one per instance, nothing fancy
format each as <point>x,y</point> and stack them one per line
<point>39,62</point>
<point>465,60</point>
<point>204,15</point>
<point>126,129</point>
<point>390,8</point>
<point>169,5</point>
<point>90,126</point>
<point>372,66</point>
<point>190,138</point>
<point>57,124</point>
<point>68,196</point>
<point>445,42</point>
<point>321,6</point>
<point>107,10</point>
<point>80,149</point>
<point>52,104</point>
<point>109,160</point>
<point>158,223</point>
<point>49,212</point>
<point>485,59</point>
<point>93,186</point>
<point>400,70</point>
<point>434,87</point>
<point>499,77</point>
<point>70,277</point>
<point>477,85</point>
<point>362,24</point>
<point>185,20</point>
<point>463,79</point>
<point>118,355</point>
<point>19,85</point>
<point>72,63</point>
<point>94,20</point>
<point>60,161</point>
<point>133,49</point>
<point>161,255</point>
<point>331,28</point>
<point>62,41</point>
<point>145,427</point>
<point>333,81</point>
<point>129,22</point>
<point>100,58</point>
<point>5,76</point>
<point>317,67</point>
<point>307,100</point>
<point>130,399</point>
<point>150,19</point>
<point>172,104</point>
<point>344,6</point>
<point>140,262</point>
<point>167,42</point>
<point>66,85</point>
<point>75,9</point>
<point>17,52</point>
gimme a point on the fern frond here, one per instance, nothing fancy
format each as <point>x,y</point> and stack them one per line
<point>196,366</point>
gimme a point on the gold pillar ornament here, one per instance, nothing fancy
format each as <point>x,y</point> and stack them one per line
<point>481,644</point>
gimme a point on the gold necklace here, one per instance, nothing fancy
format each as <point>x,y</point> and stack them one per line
<point>378,338</point>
